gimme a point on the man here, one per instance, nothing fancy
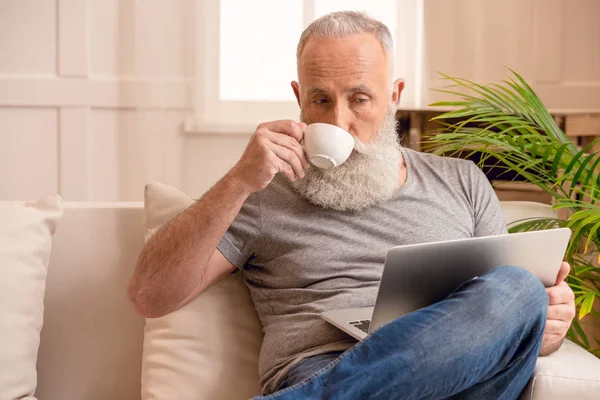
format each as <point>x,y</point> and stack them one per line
<point>309,240</point>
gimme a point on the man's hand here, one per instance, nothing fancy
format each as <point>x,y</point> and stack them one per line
<point>561,311</point>
<point>274,147</point>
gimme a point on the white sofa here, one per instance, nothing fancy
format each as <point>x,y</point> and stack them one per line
<point>91,341</point>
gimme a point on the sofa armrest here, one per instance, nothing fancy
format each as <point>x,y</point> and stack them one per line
<point>569,373</point>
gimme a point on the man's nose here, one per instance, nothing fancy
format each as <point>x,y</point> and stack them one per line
<point>341,116</point>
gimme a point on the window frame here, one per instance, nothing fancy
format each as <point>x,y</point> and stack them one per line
<point>211,115</point>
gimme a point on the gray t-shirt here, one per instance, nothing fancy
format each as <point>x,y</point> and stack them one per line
<point>299,259</point>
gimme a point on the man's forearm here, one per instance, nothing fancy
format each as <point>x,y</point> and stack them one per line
<point>172,263</point>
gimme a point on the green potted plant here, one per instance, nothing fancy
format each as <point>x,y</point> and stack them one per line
<point>508,123</point>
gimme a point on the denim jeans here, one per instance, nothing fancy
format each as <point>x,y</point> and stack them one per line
<point>481,342</point>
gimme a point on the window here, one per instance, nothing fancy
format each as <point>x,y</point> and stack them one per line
<point>257,51</point>
<point>246,56</point>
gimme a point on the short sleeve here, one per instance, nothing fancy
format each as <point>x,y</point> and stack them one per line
<point>487,213</point>
<point>238,243</point>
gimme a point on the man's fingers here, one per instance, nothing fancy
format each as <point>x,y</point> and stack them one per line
<point>561,312</point>
<point>287,127</point>
<point>565,268</point>
<point>290,143</point>
<point>551,339</point>
<point>555,327</point>
<point>560,294</point>
<point>285,169</point>
<point>290,158</point>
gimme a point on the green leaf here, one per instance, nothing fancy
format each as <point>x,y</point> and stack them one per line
<point>593,172</point>
<point>557,157</point>
<point>543,113</point>
<point>546,157</point>
<point>570,203</point>
<point>533,224</point>
<point>576,327</point>
<point>586,305</point>
<point>592,234</point>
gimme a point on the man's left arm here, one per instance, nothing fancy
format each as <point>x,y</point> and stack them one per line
<point>561,311</point>
<point>489,220</point>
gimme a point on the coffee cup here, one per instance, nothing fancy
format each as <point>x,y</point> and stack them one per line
<point>327,146</point>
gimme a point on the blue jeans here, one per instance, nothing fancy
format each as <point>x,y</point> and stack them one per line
<point>481,342</point>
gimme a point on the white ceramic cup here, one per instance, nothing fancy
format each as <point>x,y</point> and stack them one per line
<point>327,146</point>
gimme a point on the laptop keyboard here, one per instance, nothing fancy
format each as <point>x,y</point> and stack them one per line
<point>362,325</point>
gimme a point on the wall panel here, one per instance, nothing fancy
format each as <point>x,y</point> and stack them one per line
<point>28,153</point>
<point>93,95</point>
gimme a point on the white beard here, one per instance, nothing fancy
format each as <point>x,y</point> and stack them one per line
<point>369,176</point>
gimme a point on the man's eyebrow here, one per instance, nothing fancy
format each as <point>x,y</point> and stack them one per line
<point>359,88</point>
<point>317,90</point>
<point>355,89</point>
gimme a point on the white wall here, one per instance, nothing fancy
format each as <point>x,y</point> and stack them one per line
<point>94,93</point>
<point>554,44</point>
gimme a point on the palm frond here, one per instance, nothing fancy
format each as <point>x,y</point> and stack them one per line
<point>508,123</point>
<point>535,224</point>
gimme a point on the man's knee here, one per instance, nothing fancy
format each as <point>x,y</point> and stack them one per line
<point>513,295</point>
<point>517,288</point>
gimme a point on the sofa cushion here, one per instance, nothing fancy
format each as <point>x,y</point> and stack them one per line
<point>569,373</point>
<point>91,342</point>
<point>25,243</point>
<point>209,348</point>
<point>517,211</point>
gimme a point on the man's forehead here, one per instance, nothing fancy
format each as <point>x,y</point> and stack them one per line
<point>355,60</point>
<point>363,45</point>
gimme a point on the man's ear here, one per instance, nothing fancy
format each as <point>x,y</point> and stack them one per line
<point>296,88</point>
<point>398,86</point>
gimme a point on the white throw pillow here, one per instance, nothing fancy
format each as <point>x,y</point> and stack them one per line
<point>25,242</point>
<point>209,348</point>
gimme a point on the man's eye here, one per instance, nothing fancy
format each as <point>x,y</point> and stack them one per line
<point>320,101</point>
<point>360,100</point>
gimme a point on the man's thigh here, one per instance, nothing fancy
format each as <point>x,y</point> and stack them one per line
<point>307,368</point>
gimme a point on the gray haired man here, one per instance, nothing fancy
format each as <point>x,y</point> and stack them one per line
<point>309,240</point>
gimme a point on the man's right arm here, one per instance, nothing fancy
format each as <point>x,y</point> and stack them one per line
<point>181,259</point>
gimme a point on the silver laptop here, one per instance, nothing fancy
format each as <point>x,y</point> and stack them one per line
<point>416,276</point>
